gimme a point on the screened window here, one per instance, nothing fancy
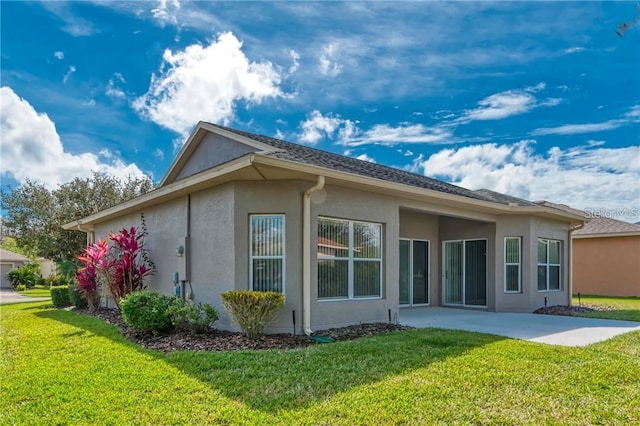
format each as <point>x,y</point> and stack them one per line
<point>349,259</point>
<point>266,268</point>
<point>548,265</point>
<point>512,265</point>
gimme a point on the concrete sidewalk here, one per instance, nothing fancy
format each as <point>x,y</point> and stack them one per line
<point>549,329</point>
<point>7,296</point>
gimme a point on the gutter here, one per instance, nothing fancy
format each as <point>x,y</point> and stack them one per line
<point>306,254</point>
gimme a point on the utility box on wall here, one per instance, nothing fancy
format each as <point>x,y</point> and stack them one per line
<point>182,249</point>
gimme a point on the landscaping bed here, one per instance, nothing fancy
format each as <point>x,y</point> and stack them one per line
<point>218,340</point>
<point>572,310</point>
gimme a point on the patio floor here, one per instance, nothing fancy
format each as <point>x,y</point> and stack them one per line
<point>549,329</point>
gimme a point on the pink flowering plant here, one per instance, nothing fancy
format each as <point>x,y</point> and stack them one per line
<point>121,267</point>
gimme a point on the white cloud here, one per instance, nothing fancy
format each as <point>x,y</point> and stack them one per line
<point>205,83</point>
<point>582,177</point>
<point>295,58</point>
<point>365,157</point>
<point>66,77</point>
<point>318,126</point>
<point>59,55</point>
<point>574,50</point>
<point>631,116</point>
<point>158,153</point>
<point>166,12</point>
<point>328,64</point>
<point>502,105</point>
<point>112,87</point>
<point>31,148</point>
<point>383,134</point>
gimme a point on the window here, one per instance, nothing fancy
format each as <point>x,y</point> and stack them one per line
<point>548,265</point>
<point>512,265</point>
<point>349,259</point>
<point>266,267</point>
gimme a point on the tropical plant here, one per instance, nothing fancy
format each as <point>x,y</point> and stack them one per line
<point>147,310</point>
<point>94,259</point>
<point>27,275</point>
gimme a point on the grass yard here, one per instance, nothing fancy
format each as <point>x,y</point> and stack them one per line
<point>57,367</point>
<point>36,291</point>
<point>625,308</point>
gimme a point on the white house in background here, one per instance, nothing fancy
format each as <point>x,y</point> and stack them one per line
<point>346,241</point>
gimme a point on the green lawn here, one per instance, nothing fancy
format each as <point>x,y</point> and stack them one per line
<point>626,308</point>
<point>37,291</point>
<point>57,367</point>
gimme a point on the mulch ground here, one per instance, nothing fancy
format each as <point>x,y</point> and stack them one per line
<point>218,340</point>
<point>571,310</point>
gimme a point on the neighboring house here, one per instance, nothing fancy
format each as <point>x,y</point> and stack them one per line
<point>8,261</point>
<point>347,241</point>
<point>48,267</point>
<point>606,256</point>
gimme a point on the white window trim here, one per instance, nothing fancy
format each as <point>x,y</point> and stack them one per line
<point>284,245</point>
<point>519,265</point>
<point>548,264</point>
<point>350,262</point>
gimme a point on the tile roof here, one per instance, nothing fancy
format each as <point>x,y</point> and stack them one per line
<point>596,225</point>
<point>315,157</point>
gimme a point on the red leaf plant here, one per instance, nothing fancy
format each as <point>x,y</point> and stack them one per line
<point>121,267</point>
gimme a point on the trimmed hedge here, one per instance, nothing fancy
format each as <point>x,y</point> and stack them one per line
<point>252,310</point>
<point>60,296</point>
<point>147,310</point>
<point>76,298</point>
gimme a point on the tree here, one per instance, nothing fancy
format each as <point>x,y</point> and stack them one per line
<point>35,215</point>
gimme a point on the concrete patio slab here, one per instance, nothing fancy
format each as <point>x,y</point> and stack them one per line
<point>549,329</point>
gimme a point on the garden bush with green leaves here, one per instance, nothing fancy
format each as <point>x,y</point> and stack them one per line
<point>252,310</point>
<point>190,316</point>
<point>60,296</point>
<point>27,275</point>
<point>147,310</point>
<point>75,297</point>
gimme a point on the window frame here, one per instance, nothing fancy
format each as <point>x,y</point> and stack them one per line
<point>283,256</point>
<point>518,264</point>
<point>351,260</point>
<point>548,265</point>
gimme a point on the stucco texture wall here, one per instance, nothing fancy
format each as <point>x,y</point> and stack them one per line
<point>607,266</point>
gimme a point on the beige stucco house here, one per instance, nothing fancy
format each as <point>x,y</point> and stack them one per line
<point>606,256</point>
<point>347,241</point>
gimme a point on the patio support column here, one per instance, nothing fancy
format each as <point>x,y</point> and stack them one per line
<point>306,254</point>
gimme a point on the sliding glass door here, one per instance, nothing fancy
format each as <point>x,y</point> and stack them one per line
<point>465,272</point>
<point>414,272</point>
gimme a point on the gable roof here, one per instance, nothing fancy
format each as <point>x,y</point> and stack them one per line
<point>249,156</point>
<point>9,256</point>
<point>597,226</point>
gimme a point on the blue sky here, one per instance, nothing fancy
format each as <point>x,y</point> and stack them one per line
<point>540,100</point>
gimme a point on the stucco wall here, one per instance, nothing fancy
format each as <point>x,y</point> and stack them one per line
<point>357,205</point>
<point>516,226</point>
<point>608,266</point>
<point>548,229</point>
<point>421,226</point>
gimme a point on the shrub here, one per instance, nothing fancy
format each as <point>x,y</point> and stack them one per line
<point>76,298</point>
<point>60,296</point>
<point>27,275</point>
<point>21,287</point>
<point>252,310</point>
<point>146,310</point>
<point>192,316</point>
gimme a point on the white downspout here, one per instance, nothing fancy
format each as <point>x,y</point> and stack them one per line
<point>306,254</point>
